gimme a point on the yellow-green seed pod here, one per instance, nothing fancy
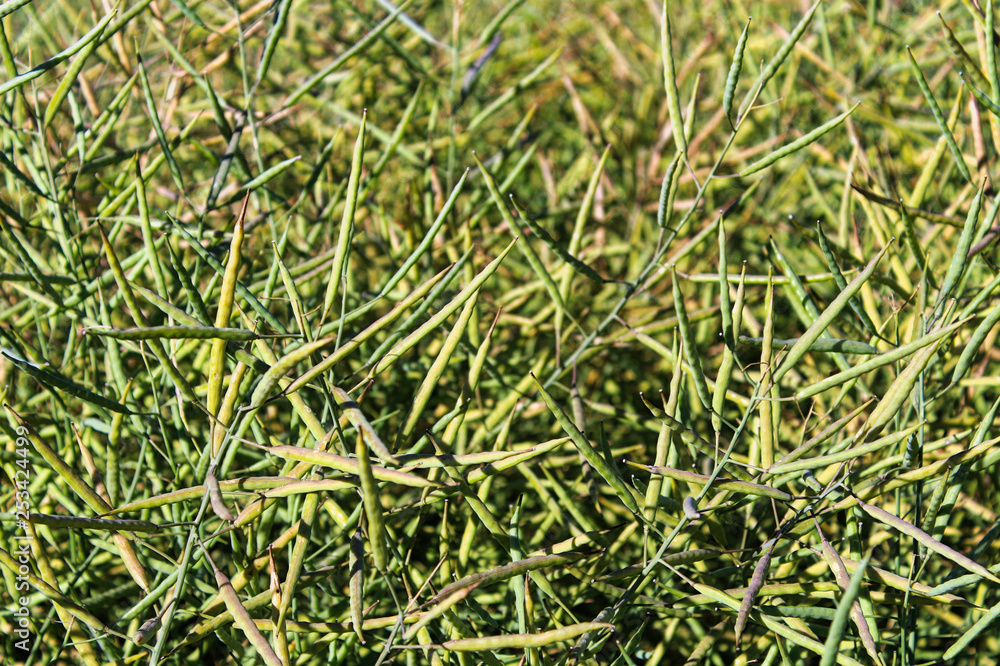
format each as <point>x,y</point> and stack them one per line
<point>373,507</point>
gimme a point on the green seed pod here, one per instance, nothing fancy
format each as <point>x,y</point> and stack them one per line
<point>733,77</point>
<point>373,507</point>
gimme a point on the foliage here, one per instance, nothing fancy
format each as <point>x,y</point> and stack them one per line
<point>453,333</point>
